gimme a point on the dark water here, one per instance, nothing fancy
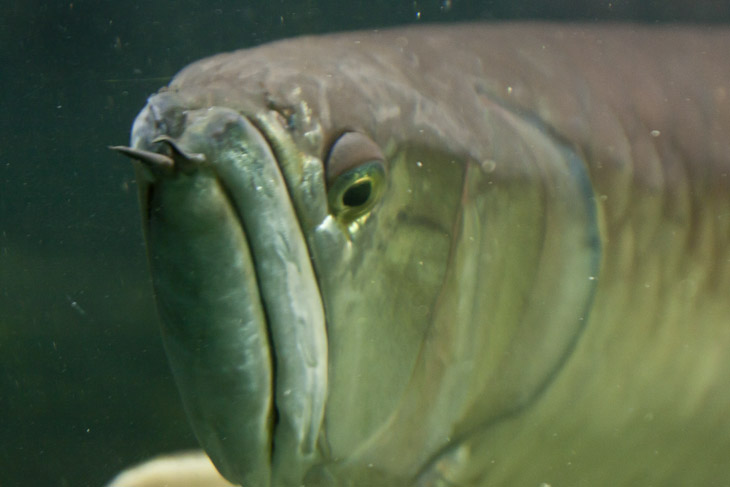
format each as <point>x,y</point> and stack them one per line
<point>84,387</point>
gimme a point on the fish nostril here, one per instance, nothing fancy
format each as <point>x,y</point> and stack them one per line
<point>165,114</point>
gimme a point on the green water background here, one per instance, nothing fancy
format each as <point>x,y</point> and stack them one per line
<point>84,387</point>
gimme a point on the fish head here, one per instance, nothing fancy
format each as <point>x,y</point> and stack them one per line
<point>349,261</point>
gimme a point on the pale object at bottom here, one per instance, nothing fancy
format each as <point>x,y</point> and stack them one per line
<point>185,469</point>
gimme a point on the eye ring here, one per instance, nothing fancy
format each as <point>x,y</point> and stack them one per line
<point>355,172</point>
<point>355,192</point>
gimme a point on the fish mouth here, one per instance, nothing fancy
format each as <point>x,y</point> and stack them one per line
<point>242,317</point>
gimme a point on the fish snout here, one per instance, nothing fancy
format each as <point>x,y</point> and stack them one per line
<point>153,136</point>
<point>164,115</point>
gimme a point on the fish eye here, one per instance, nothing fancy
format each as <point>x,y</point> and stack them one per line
<point>355,192</point>
<point>355,176</point>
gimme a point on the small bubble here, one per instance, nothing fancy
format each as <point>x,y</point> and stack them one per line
<point>655,133</point>
<point>489,165</point>
<point>419,164</point>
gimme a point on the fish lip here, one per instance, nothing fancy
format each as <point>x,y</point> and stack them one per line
<point>297,409</point>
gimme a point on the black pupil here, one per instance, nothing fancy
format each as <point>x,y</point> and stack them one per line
<point>357,194</point>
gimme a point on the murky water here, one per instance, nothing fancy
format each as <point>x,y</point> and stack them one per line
<point>84,385</point>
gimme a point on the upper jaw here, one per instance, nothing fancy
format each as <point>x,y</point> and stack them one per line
<point>221,144</point>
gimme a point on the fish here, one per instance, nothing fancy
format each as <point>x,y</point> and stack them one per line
<point>448,255</point>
